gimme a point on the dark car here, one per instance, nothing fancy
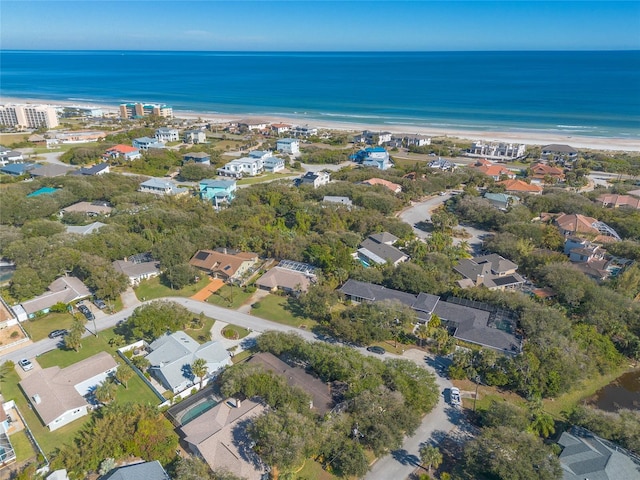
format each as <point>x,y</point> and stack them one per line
<point>99,303</point>
<point>89,315</point>
<point>58,333</point>
<point>376,349</point>
<point>84,309</point>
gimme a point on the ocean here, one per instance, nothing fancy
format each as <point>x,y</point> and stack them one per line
<point>571,93</point>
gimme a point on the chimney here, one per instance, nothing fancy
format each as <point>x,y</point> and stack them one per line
<point>238,403</point>
<point>36,398</point>
<point>479,279</point>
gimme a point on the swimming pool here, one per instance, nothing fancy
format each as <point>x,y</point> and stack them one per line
<point>197,410</point>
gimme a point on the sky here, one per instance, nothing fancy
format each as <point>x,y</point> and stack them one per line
<point>319,25</point>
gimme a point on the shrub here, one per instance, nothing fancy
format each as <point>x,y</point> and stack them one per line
<point>256,305</point>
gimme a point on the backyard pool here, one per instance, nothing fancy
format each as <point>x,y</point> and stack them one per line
<point>197,410</point>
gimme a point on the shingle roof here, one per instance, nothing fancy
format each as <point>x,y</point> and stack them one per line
<point>136,270</point>
<point>63,289</point>
<point>386,252</point>
<point>139,471</point>
<point>556,148</point>
<point>284,278</point>
<point>218,262</point>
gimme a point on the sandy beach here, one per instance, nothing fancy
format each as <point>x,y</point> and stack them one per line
<point>524,137</point>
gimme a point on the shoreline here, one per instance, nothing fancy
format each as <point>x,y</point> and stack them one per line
<point>525,137</point>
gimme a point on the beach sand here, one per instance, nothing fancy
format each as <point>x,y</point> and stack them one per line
<point>524,137</point>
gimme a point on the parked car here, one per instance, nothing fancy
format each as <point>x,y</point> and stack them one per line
<point>84,309</point>
<point>99,303</point>
<point>25,364</point>
<point>376,349</point>
<point>455,397</point>
<point>58,333</point>
<point>89,315</point>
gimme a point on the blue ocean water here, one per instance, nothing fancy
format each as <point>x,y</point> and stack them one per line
<point>574,93</point>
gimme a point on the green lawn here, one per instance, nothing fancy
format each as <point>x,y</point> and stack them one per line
<point>241,332</point>
<point>229,297</point>
<point>22,446</point>
<point>39,328</point>
<point>90,346</point>
<point>201,335</point>
<point>152,288</point>
<point>276,309</point>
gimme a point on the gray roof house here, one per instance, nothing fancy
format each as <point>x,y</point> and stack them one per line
<point>172,355</point>
<point>379,249</point>
<point>586,456</point>
<point>51,170</point>
<point>137,271</point>
<point>159,186</point>
<point>91,209</point>
<point>85,229</point>
<point>138,471</point>
<point>493,271</point>
<point>467,323</point>
<point>346,201</point>
<point>58,394</point>
<point>61,290</point>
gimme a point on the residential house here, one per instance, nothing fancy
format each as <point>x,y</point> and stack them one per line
<point>60,474</point>
<point>501,201</point>
<point>138,471</point>
<point>491,170</point>
<point>194,136</point>
<point>442,164</point>
<point>280,128</point>
<point>520,186</point>
<point>589,258</point>
<point>80,137</point>
<point>261,154</point>
<point>394,187</point>
<point>59,395</point>
<point>317,179</point>
<point>7,452</point>
<point>219,437</point>
<point>224,264</point>
<point>166,134</point>
<point>559,153</point>
<point>253,124</point>
<point>173,354</point>
<point>542,173</point>
<point>346,201</point>
<point>18,169</point>
<point>62,290</point>
<point>416,140</point>
<point>159,186</point>
<point>423,304</point>
<point>125,152</point>
<point>137,268</point>
<point>200,158</point>
<point>218,192</point>
<point>274,164</point>
<point>91,209</point>
<point>304,131</point>
<point>145,143</point>
<point>288,145</point>
<point>10,156</point>
<point>50,170</point>
<point>321,400</point>
<point>289,276</point>
<point>492,271</point>
<point>373,138</point>
<point>575,223</point>
<point>376,157</point>
<point>242,166</point>
<point>98,169</point>
<point>379,249</point>
<point>85,229</point>
<point>584,455</point>
<point>615,201</point>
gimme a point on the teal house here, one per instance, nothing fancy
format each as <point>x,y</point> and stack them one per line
<point>218,192</point>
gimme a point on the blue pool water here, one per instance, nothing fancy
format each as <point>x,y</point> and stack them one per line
<point>197,410</point>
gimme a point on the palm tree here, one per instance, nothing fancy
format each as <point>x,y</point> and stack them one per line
<point>106,392</point>
<point>124,374</point>
<point>199,369</point>
<point>430,456</point>
<point>423,333</point>
<point>541,422</point>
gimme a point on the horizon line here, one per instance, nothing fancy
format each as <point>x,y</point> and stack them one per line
<point>317,51</point>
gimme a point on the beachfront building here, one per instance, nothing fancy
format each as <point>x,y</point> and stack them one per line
<point>159,186</point>
<point>139,110</point>
<point>497,151</point>
<point>218,192</point>
<point>166,134</point>
<point>82,111</point>
<point>80,137</point>
<point>559,153</point>
<point>273,164</point>
<point>145,143</point>
<point>317,179</point>
<point>280,128</point>
<point>372,138</point>
<point>304,131</point>
<point>416,140</point>
<point>200,158</point>
<point>288,145</point>
<point>28,116</point>
<point>442,164</point>
<point>194,136</point>
<point>242,166</point>
<point>9,156</point>
<point>253,124</point>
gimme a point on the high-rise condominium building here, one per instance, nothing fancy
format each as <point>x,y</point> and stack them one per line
<point>28,116</point>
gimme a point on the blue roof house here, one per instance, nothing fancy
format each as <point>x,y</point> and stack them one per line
<point>218,191</point>
<point>18,169</point>
<point>376,157</point>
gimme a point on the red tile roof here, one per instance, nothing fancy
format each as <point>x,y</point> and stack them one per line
<point>122,149</point>
<point>520,186</point>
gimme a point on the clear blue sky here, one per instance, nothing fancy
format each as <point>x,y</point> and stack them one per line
<point>319,25</point>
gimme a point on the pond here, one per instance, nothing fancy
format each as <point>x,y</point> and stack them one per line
<point>623,392</point>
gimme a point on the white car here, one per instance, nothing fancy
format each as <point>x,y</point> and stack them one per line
<point>455,397</point>
<point>25,364</point>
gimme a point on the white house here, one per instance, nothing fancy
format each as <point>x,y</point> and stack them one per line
<point>159,186</point>
<point>172,355</point>
<point>288,145</point>
<point>145,143</point>
<point>194,136</point>
<point>274,164</point>
<point>242,166</point>
<point>317,179</point>
<point>165,134</point>
<point>58,395</point>
<point>304,131</point>
<point>137,271</point>
<point>378,158</point>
